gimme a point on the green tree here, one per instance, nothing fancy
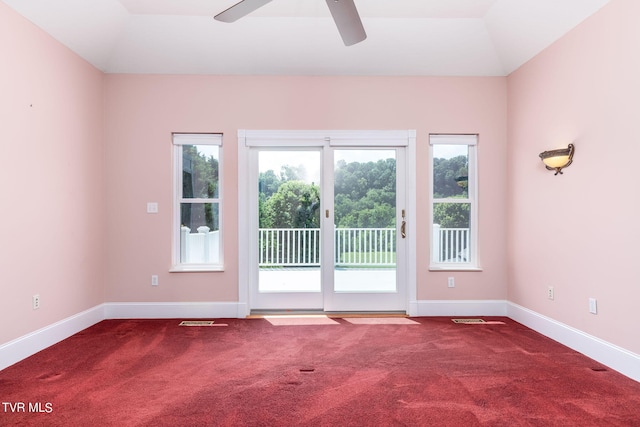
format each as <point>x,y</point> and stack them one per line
<point>451,215</point>
<point>200,179</point>
<point>450,181</point>
<point>295,205</point>
<point>365,194</point>
<point>293,173</point>
<point>449,177</point>
<point>378,216</point>
<point>268,183</point>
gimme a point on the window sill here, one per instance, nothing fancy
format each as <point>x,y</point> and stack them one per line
<point>453,268</point>
<point>196,268</point>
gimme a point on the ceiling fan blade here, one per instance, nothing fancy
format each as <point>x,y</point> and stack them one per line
<point>239,10</point>
<point>347,20</point>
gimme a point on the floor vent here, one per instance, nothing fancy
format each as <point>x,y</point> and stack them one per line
<point>467,320</point>
<point>599,369</point>
<point>196,323</point>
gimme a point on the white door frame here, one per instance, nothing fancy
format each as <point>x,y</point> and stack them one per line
<point>337,138</point>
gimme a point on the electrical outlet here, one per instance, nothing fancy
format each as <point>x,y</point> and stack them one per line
<point>35,302</point>
<point>593,306</point>
<point>154,280</point>
<point>152,207</point>
<point>451,282</point>
<point>550,292</point>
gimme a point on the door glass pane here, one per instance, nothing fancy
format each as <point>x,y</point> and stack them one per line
<point>289,221</point>
<point>365,220</point>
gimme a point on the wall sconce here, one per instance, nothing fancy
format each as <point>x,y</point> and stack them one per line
<point>556,160</point>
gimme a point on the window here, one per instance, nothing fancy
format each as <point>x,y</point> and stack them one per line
<point>454,202</point>
<point>197,240</point>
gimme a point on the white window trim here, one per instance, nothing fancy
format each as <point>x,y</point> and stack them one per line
<point>470,140</point>
<point>180,139</point>
<point>318,138</point>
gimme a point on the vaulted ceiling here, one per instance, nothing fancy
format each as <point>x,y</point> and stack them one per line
<point>298,37</point>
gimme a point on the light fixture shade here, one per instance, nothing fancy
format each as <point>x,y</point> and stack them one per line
<point>556,160</point>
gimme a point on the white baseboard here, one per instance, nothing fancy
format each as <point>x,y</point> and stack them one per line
<point>171,310</point>
<point>458,308</point>
<point>608,354</point>
<point>27,345</point>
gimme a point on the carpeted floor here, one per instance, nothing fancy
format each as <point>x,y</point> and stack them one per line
<point>346,372</point>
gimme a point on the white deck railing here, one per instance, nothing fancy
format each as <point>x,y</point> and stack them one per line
<point>365,246</point>
<point>289,247</point>
<point>301,246</point>
<point>450,245</point>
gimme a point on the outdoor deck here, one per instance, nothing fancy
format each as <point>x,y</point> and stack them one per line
<point>307,279</point>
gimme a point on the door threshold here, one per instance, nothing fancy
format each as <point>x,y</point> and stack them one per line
<point>258,314</point>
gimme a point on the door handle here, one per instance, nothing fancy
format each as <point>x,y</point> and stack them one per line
<point>403,227</point>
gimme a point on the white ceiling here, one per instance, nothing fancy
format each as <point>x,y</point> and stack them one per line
<point>298,37</point>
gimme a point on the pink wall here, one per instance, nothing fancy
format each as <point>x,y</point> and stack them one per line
<point>51,180</point>
<point>74,226</point>
<point>579,232</point>
<point>143,110</point>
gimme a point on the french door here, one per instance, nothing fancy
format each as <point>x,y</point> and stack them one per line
<point>327,225</point>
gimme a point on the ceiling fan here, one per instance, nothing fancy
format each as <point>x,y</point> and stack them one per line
<point>344,14</point>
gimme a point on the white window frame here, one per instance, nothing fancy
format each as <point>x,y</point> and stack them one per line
<point>180,139</point>
<point>471,141</point>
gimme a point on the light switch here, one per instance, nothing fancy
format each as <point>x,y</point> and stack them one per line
<point>152,207</point>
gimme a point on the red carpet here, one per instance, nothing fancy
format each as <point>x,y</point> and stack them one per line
<point>253,373</point>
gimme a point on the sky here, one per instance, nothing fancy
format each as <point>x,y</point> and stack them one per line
<point>448,151</point>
